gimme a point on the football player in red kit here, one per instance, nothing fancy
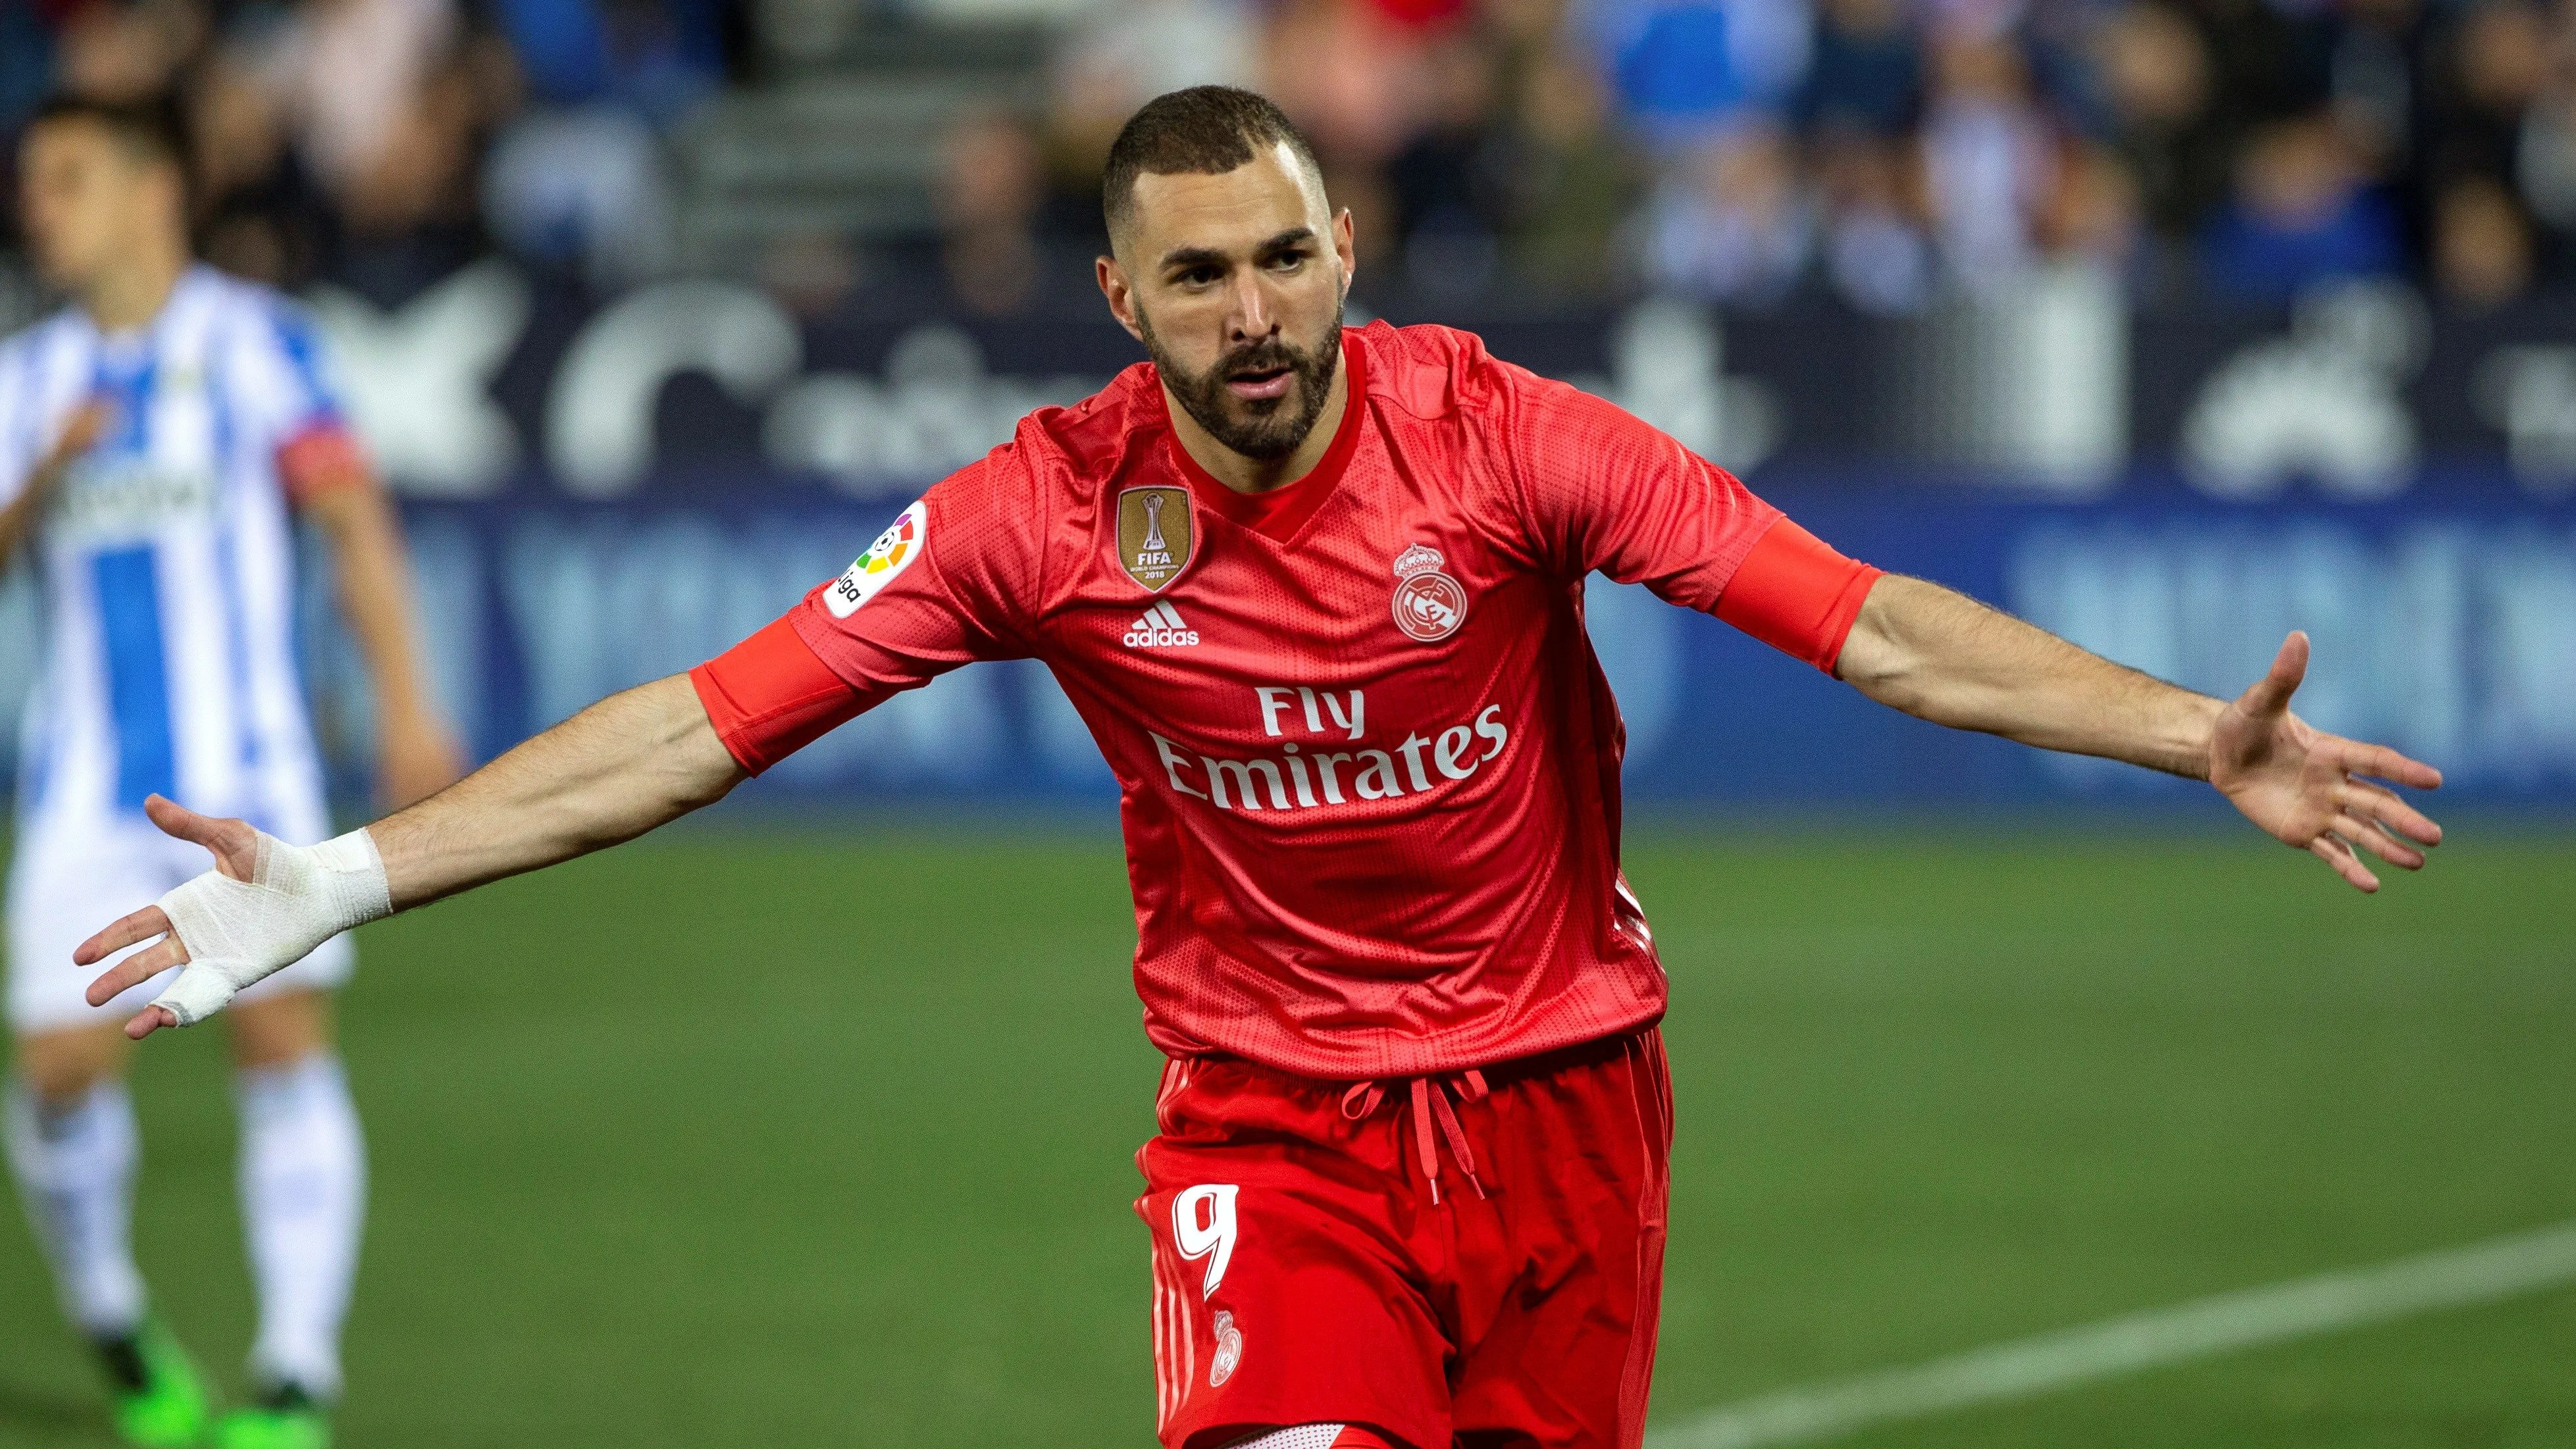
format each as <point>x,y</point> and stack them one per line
<point>1319,596</point>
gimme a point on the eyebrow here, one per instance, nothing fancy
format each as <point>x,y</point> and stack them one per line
<point>1210,256</point>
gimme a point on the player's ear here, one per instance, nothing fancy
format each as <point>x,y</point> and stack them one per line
<point>1122,298</point>
<point>1344,248</point>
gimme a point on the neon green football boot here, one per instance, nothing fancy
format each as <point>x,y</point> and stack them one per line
<point>160,1403</point>
<point>287,1418</point>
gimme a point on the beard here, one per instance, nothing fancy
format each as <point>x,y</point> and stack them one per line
<point>1264,428</point>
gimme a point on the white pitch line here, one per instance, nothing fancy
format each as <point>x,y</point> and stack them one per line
<point>2452,1278</point>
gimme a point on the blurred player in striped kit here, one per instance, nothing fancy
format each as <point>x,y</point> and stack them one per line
<point>157,439</point>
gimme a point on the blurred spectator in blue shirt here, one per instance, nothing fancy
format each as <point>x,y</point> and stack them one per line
<point>579,180</point>
<point>2302,213</point>
<point>1862,97</point>
<point>656,58</point>
<point>1867,72</point>
<point>1684,68</point>
<point>1875,253</point>
<point>1988,159</point>
<point>582,190</point>
<point>1732,222</point>
<point>1674,71</point>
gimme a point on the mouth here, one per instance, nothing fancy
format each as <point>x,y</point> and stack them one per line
<point>1261,384</point>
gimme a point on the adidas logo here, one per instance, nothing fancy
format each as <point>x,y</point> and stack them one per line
<point>1160,627</point>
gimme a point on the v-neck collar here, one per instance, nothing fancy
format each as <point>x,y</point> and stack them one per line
<point>1279,513</point>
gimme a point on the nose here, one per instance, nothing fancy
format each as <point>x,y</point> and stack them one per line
<point>1252,320</point>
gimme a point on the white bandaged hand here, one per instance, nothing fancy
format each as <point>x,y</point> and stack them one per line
<point>238,932</point>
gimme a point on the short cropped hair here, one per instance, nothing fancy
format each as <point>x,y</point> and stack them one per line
<point>151,131</point>
<point>1202,131</point>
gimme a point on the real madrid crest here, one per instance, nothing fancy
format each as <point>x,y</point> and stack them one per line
<point>1229,1350</point>
<point>1429,605</point>
<point>1156,533</point>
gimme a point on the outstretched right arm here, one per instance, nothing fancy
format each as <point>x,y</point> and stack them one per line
<point>610,773</point>
<point>625,765</point>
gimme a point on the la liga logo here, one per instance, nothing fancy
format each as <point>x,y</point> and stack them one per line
<point>891,554</point>
<point>1429,605</point>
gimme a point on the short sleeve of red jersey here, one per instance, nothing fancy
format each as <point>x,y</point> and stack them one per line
<point>1794,593</point>
<point>943,586</point>
<point>1604,490</point>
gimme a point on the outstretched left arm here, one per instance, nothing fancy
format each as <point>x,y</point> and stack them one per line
<point>1944,657</point>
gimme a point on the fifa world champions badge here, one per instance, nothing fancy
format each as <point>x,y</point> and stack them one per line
<point>1429,605</point>
<point>1157,533</point>
<point>892,553</point>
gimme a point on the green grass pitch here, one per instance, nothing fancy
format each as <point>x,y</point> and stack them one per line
<point>791,1138</point>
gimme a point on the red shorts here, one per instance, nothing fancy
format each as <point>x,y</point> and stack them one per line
<point>1304,1274</point>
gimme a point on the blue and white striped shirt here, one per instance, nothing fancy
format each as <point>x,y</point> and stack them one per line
<point>167,560</point>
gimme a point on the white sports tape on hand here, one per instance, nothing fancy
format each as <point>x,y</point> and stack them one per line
<point>298,896</point>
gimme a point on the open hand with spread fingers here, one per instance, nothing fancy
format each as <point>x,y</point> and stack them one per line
<point>264,907</point>
<point>2307,787</point>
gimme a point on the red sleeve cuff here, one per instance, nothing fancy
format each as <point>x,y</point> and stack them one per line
<point>1797,595</point>
<point>319,459</point>
<point>771,695</point>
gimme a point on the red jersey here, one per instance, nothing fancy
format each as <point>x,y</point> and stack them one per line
<point>1368,766</point>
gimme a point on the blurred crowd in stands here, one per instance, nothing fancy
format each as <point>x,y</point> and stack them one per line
<point>1881,152</point>
<point>1887,150</point>
<point>381,144</point>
